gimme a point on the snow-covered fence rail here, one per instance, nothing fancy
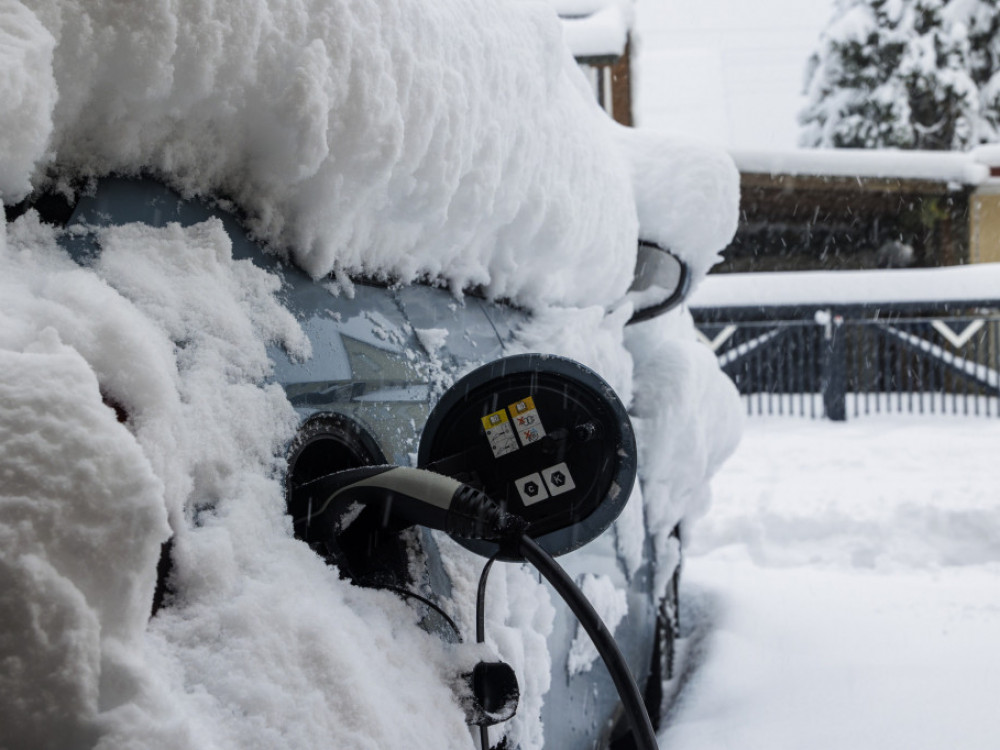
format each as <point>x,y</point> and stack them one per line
<point>853,360</point>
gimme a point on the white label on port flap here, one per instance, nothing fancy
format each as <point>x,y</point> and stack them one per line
<point>527,422</point>
<point>558,479</point>
<point>531,488</point>
<point>499,434</point>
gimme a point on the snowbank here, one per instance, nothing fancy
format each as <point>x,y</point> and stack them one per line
<point>844,590</point>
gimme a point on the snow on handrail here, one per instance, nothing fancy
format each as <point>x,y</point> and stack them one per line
<point>966,168</point>
<point>972,283</point>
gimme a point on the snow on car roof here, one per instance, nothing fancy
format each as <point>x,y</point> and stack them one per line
<point>394,142</point>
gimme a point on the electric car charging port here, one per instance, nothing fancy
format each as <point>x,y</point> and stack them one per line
<point>327,443</point>
<point>370,554</point>
<point>522,428</point>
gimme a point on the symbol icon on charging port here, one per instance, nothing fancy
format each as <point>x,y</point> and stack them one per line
<point>558,479</point>
<point>531,488</point>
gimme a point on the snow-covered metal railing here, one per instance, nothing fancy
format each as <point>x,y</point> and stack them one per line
<point>743,350</point>
<point>979,373</point>
<point>860,358</point>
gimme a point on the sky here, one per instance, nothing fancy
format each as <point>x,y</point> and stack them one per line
<point>726,71</point>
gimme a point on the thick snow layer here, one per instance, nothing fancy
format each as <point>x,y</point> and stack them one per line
<point>962,168</point>
<point>83,517</point>
<point>687,195</point>
<point>604,33</point>
<point>260,627</point>
<point>687,421</point>
<point>392,138</point>
<point>844,591</point>
<point>978,282</point>
<point>989,155</point>
<point>386,140</point>
<point>28,93</point>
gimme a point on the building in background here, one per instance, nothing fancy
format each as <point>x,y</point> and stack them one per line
<point>598,33</point>
<point>843,209</point>
<point>984,212</point>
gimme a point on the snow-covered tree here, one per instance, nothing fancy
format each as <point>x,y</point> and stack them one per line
<point>899,73</point>
<point>982,19</point>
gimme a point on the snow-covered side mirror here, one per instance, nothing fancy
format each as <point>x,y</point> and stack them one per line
<point>545,438</point>
<point>661,282</point>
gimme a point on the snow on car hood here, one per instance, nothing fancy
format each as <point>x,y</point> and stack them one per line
<point>454,139</point>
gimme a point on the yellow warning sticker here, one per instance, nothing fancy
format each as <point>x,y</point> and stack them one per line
<point>499,433</point>
<point>494,420</point>
<point>527,422</point>
<point>519,407</point>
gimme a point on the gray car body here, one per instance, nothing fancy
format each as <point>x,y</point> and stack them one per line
<point>368,364</point>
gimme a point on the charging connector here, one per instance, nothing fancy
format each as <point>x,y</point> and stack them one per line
<point>405,496</point>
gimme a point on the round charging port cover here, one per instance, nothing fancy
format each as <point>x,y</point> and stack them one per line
<point>578,467</point>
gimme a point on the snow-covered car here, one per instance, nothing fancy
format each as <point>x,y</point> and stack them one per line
<point>382,356</point>
<point>160,374</point>
<point>234,364</point>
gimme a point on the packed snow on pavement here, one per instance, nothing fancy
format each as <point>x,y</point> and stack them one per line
<point>844,590</point>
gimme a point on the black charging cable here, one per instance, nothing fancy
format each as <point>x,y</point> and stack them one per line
<point>628,691</point>
<point>417,496</point>
<point>484,732</point>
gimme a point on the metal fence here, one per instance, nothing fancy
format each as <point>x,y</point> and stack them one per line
<point>859,360</point>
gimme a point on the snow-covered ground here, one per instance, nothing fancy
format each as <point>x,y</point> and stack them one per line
<point>844,590</point>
